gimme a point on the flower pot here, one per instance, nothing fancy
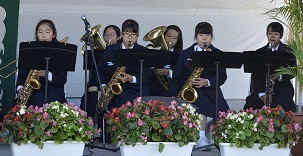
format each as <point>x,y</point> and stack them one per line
<point>151,149</point>
<point>49,149</point>
<point>273,149</point>
<point>297,149</point>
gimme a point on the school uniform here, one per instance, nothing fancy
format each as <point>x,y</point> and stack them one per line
<point>131,90</point>
<point>206,101</point>
<point>283,89</point>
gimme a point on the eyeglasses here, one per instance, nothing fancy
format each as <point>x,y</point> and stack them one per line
<point>127,34</point>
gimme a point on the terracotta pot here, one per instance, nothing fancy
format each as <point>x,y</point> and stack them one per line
<point>297,149</point>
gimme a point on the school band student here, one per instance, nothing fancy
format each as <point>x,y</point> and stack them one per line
<point>111,36</point>
<point>174,41</point>
<point>130,78</point>
<point>283,91</point>
<point>205,83</point>
<point>45,32</point>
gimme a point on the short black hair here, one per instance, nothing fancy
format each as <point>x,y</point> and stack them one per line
<point>203,28</point>
<point>275,27</point>
<point>130,25</point>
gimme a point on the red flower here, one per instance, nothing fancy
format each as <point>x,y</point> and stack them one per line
<point>117,120</point>
<point>164,125</point>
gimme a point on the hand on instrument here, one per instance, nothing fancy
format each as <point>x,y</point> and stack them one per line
<point>263,98</point>
<point>124,77</point>
<point>273,77</point>
<point>20,92</point>
<point>40,73</point>
<point>163,71</point>
<point>200,82</point>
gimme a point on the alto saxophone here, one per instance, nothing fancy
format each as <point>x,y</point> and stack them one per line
<point>187,92</point>
<point>113,88</point>
<point>31,83</point>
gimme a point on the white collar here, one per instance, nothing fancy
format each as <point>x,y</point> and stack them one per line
<point>275,49</point>
<point>123,47</point>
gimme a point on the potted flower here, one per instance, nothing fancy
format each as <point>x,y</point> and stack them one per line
<point>54,123</point>
<point>143,123</point>
<point>253,129</point>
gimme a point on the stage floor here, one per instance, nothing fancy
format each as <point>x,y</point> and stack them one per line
<point>6,151</point>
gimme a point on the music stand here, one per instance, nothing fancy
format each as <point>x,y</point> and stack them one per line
<point>173,60</point>
<point>47,56</point>
<point>90,65</point>
<point>265,62</point>
<point>140,58</point>
<point>213,60</point>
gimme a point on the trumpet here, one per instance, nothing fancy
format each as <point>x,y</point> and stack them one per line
<point>64,40</point>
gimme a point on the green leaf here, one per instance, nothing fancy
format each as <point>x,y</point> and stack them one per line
<point>161,147</point>
<point>168,131</point>
<point>178,137</point>
<point>269,134</point>
<point>155,137</point>
<point>38,130</point>
<point>284,128</point>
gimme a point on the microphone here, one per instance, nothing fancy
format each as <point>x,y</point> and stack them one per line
<point>83,17</point>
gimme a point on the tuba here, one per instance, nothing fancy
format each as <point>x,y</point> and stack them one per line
<point>95,37</point>
<point>188,93</point>
<point>113,88</point>
<point>32,83</point>
<point>156,36</point>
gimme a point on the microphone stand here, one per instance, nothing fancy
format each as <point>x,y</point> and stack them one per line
<point>89,42</point>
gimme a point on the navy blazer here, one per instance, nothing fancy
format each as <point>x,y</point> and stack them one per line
<point>206,95</point>
<point>130,90</point>
<point>259,81</point>
<point>55,88</point>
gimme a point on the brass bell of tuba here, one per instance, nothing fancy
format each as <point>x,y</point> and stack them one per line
<point>95,37</point>
<point>156,36</point>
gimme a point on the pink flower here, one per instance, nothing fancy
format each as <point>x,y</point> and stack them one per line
<point>54,123</point>
<point>90,122</point>
<point>140,122</point>
<point>298,128</point>
<point>139,99</point>
<point>133,114</point>
<point>48,133</point>
<point>128,115</point>
<point>146,111</point>
<point>260,118</point>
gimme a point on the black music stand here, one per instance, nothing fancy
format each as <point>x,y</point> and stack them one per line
<point>47,56</point>
<point>173,60</point>
<point>90,64</point>
<point>214,60</point>
<point>265,62</point>
<point>140,58</point>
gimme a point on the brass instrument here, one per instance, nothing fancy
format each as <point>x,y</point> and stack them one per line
<point>64,40</point>
<point>32,83</point>
<point>113,88</point>
<point>188,93</point>
<point>156,36</point>
<point>95,37</point>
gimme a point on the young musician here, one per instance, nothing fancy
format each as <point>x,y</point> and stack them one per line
<point>130,79</point>
<point>174,41</point>
<point>111,36</point>
<point>283,91</point>
<point>204,84</point>
<point>45,32</point>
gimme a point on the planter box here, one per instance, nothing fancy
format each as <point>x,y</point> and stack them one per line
<point>297,149</point>
<point>226,150</point>
<point>49,149</point>
<point>151,149</point>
